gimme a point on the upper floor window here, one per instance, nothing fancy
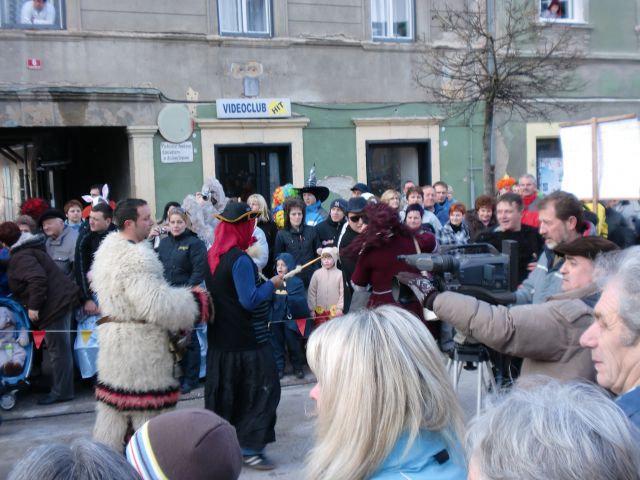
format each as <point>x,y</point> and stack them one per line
<point>392,19</point>
<point>245,17</point>
<point>562,10</point>
<point>32,14</point>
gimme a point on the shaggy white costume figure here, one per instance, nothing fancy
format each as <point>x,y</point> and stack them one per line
<point>135,366</point>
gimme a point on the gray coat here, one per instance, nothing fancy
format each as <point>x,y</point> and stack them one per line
<point>63,250</point>
<point>547,335</point>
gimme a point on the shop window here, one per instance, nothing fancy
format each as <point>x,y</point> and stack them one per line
<point>245,17</point>
<point>567,11</point>
<point>392,19</point>
<point>390,164</point>
<point>33,14</point>
<point>548,164</point>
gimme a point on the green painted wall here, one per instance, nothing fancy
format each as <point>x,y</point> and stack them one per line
<point>174,181</point>
<point>613,26</point>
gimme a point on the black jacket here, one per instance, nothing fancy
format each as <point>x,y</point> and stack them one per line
<point>86,246</point>
<point>302,245</point>
<point>36,281</point>
<point>329,231</point>
<point>184,259</point>
<point>270,231</point>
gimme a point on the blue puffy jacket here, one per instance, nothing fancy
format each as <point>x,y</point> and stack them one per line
<point>292,305</point>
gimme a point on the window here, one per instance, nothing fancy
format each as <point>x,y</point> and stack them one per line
<point>564,11</point>
<point>245,17</point>
<point>32,14</point>
<point>548,164</point>
<point>390,163</point>
<point>392,19</point>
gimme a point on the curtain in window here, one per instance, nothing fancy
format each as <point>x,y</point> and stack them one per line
<point>401,10</point>
<point>230,15</point>
<point>257,16</point>
<point>379,9</point>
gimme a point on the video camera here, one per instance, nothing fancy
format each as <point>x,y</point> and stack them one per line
<point>477,269</point>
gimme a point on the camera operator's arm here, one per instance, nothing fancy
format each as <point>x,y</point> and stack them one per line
<point>548,331</point>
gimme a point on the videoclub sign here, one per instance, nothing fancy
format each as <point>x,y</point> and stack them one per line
<point>253,108</point>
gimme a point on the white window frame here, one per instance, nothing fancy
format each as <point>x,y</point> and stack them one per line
<point>10,16</point>
<point>389,21</point>
<point>575,12</point>
<point>243,20</point>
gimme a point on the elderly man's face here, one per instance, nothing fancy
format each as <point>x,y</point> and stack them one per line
<point>614,353</point>
<point>53,227</point>
<point>577,272</point>
<point>526,186</point>
<point>553,230</point>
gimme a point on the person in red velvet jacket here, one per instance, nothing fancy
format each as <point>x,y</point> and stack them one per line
<point>378,247</point>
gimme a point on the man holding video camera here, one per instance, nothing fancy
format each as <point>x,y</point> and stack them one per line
<point>546,335</point>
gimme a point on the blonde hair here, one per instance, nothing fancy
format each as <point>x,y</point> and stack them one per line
<point>182,213</point>
<point>388,195</point>
<point>265,214</point>
<point>380,376</point>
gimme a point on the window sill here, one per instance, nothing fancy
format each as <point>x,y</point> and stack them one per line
<point>564,23</point>
<point>392,40</point>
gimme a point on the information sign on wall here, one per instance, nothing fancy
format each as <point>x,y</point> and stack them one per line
<point>253,107</point>
<point>176,152</point>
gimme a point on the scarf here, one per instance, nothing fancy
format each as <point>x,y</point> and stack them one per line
<point>228,235</point>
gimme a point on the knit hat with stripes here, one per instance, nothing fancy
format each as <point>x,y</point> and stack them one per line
<point>185,444</point>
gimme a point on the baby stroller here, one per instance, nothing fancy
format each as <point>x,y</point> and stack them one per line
<point>10,385</point>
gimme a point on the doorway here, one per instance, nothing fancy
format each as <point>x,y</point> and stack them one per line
<point>247,169</point>
<point>391,163</point>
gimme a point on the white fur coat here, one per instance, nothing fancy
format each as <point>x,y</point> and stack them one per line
<point>134,347</point>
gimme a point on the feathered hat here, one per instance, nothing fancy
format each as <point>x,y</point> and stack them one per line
<point>321,193</point>
<point>505,182</point>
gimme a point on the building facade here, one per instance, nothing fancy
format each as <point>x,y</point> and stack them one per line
<point>84,96</point>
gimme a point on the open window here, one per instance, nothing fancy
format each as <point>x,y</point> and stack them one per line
<point>33,14</point>
<point>245,17</point>
<point>392,19</point>
<point>563,11</point>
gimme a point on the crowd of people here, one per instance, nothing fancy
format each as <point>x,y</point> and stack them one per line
<point>320,285</point>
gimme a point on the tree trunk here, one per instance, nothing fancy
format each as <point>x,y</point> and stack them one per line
<point>489,177</point>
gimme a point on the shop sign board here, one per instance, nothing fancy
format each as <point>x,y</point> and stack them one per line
<point>253,107</point>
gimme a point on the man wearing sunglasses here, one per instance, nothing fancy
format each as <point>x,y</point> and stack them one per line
<point>356,223</point>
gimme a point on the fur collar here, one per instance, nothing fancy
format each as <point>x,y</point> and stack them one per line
<point>28,240</point>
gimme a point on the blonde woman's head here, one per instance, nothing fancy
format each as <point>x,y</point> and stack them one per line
<point>257,203</point>
<point>380,375</point>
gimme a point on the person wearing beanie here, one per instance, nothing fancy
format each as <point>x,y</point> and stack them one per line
<point>49,296</point>
<point>188,444</point>
<point>326,290</point>
<point>329,230</point>
<point>242,382</point>
<point>136,369</point>
<point>545,335</point>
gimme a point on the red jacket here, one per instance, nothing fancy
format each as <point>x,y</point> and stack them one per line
<point>530,210</point>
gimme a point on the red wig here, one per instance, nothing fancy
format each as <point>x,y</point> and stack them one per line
<point>34,207</point>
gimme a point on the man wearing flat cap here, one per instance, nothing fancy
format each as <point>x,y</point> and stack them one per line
<point>545,335</point>
<point>242,383</point>
<point>61,239</point>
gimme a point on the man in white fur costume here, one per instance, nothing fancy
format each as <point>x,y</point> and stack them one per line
<point>135,367</point>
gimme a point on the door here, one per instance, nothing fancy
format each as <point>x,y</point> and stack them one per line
<point>247,169</point>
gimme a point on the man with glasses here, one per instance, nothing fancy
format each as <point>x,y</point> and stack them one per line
<point>356,223</point>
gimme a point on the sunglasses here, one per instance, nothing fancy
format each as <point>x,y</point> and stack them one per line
<point>357,218</point>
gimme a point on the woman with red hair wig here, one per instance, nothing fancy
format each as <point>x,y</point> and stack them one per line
<point>378,247</point>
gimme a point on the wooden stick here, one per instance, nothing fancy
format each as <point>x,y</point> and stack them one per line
<point>617,118</point>
<point>299,268</point>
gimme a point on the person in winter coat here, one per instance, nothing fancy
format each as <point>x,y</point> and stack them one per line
<point>546,335</point>
<point>326,290</point>
<point>297,238</point>
<point>289,309</point>
<point>329,230</point>
<point>49,297</point>
<point>257,203</point>
<point>242,383</point>
<point>184,258</point>
<point>482,218</point>
<point>135,364</point>
<point>385,406</point>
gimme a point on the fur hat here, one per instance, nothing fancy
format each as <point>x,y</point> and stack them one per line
<point>188,443</point>
<point>321,193</point>
<point>331,251</point>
